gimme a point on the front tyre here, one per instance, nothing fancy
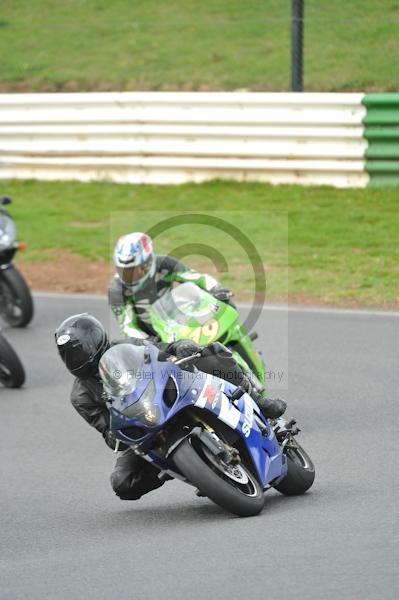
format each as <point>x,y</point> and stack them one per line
<point>12,373</point>
<point>16,304</point>
<point>232,487</point>
<point>301,472</point>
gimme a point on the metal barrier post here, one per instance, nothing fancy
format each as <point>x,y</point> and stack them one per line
<point>297,46</point>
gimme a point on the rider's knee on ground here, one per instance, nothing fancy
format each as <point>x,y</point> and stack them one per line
<point>122,485</point>
<point>133,477</point>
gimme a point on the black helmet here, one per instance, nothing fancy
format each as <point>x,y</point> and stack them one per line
<point>81,341</point>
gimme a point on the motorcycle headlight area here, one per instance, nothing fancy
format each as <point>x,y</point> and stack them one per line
<point>144,409</point>
<point>7,232</point>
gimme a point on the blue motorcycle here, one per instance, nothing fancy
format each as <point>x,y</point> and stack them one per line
<point>201,429</point>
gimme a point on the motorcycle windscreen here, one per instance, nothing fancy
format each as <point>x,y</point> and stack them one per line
<point>7,231</point>
<point>121,369</point>
<point>184,302</point>
<point>191,312</point>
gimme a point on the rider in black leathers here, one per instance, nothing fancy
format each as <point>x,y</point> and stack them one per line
<point>82,340</point>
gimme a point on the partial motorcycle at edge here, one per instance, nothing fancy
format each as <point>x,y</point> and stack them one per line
<point>12,373</point>
<point>16,303</point>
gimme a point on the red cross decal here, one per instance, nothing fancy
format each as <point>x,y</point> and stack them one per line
<point>209,393</point>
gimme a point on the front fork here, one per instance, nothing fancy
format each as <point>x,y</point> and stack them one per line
<point>227,454</point>
<point>285,432</point>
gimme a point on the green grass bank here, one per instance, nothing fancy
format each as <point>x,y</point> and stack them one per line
<point>334,246</point>
<point>212,45</point>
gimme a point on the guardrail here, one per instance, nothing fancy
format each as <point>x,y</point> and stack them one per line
<point>382,133</point>
<point>166,137</point>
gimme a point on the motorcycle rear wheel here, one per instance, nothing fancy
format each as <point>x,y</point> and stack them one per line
<point>16,304</point>
<point>233,488</point>
<point>301,472</point>
<point>12,373</point>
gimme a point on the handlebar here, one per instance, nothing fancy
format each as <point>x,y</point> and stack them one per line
<point>188,358</point>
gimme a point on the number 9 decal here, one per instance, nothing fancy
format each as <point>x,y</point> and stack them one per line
<point>208,330</point>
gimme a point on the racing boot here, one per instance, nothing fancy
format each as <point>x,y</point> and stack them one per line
<point>271,408</point>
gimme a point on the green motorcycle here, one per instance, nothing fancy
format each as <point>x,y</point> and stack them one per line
<point>187,311</point>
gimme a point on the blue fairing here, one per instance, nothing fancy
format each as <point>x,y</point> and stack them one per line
<point>189,386</point>
<point>207,393</point>
<point>264,450</point>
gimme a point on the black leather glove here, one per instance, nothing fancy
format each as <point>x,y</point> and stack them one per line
<point>222,294</point>
<point>184,348</point>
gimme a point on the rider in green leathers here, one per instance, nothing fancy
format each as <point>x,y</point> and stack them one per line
<point>142,278</point>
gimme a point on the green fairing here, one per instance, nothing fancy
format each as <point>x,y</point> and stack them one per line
<point>205,282</point>
<point>127,319</point>
<point>190,312</point>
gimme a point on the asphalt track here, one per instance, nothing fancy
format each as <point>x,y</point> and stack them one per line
<point>65,536</point>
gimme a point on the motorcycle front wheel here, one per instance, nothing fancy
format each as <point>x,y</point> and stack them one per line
<point>12,373</point>
<point>16,304</point>
<point>234,488</point>
<point>300,474</point>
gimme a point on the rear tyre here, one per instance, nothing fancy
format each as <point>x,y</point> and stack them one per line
<point>12,373</point>
<point>16,304</point>
<point>300,475</point>
<point>233,488</point>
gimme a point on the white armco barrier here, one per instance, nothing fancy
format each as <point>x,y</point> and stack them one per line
<point>168,137</point>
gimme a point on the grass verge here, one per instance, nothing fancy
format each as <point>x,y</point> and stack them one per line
<point>212,45</point>
<point>335,246</point>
